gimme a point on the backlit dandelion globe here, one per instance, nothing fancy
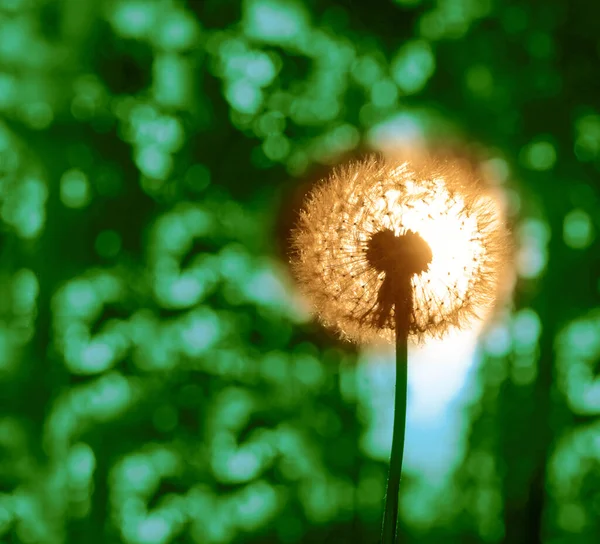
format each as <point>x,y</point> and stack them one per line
<point>431,219</point>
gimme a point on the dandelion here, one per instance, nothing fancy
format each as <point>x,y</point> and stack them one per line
<point>387,249</point>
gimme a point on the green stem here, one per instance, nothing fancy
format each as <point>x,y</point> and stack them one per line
<point>390,517</point>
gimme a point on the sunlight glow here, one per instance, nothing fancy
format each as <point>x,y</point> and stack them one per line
<point>441,201</point>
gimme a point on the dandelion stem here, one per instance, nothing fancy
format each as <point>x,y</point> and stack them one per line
<point>390,516</point>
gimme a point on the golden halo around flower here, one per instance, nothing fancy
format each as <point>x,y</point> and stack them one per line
<point>442,200</point>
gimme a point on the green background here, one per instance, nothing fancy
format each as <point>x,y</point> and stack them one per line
<point>160,380</point>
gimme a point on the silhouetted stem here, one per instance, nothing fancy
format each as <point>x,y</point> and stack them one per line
<point>390,516</point>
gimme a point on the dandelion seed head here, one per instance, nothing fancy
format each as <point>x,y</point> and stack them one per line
<point>376,220</point>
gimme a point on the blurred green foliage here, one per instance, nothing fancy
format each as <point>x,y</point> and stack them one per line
<point>160,380</point>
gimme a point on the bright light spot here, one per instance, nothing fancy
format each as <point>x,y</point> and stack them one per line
<point>400,130</point>
<point>578,349</point>
<point>578,229</point>
<point>24,207</point>
<point>154,162</point>
<point>179,30</point>
<point>413,65</point>
<point>274,21</point>
<point>532,255</point>
<point>96,357</point>
<point>108,396</point>
<point>450,231</point>
<point>26,288</point>
<point>366,71</point>
<point>276,147</point>
<point>259,69</point>
<point>539,155</point>
<point>172,80</point>
<point>81,463</point>
<point>153,530</point>
<point>74,189</point>
<point>455,243</point>
<point>587,143</point>
<point>133,18</point>
<point>256,504</point>
<point>38,115</point>
<point>384,93</point>
<point>200,332</point>
<point>244,96</point>
<point>497,341</point>
<point>527,327</point>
